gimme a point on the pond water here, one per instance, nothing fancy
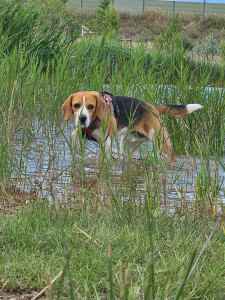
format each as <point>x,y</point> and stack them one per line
<point>45,167</point>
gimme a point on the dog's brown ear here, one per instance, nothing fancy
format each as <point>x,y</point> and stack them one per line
<point>67,108</point>
<point>100,108</point>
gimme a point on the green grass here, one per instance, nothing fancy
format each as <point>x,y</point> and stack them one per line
<point>35,242</point>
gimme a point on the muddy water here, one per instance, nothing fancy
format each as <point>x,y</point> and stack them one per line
<point>46,168</point>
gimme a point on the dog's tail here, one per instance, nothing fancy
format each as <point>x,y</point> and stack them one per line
<point>178,110</point>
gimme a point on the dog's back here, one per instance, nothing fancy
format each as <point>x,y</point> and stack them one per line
<point>131,110</point>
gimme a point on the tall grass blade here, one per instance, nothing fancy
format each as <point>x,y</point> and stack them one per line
<point>188,271</point>
<point>109,256</point>
<point>149,291</point>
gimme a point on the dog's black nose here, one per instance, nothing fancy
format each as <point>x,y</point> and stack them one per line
<point>83,118</point>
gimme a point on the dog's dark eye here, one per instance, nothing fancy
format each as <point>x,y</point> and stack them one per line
<point>90,106</point>
<point>77,105</point>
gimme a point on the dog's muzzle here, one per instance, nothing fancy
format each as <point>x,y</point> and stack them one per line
<point>83,119</point>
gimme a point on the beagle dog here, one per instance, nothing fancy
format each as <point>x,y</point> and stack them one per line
<point>135,120</point>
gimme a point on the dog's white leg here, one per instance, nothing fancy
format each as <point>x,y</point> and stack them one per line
<point>151,134</point>
<point>108,145</point>
<point>123,140</point>
<point>122,143</point>
<point>76,142</point>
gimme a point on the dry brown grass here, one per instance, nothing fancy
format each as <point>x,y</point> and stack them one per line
<point>152,23</point>
<point>142,26</point>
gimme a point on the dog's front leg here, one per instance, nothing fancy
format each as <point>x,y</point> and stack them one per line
<point>123,142</point>
<point>108,146</point>
<point>76,141</point>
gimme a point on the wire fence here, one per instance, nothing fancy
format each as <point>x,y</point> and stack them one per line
<point>138,6</point>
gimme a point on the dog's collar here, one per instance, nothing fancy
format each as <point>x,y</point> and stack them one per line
<point>87,131</point>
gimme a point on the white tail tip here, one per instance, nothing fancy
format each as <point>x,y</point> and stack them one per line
<point>193,107</point>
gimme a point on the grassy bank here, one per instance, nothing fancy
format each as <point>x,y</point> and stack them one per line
<point>104,251</point>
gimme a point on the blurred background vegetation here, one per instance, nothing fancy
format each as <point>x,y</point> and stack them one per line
<point>48,27</point>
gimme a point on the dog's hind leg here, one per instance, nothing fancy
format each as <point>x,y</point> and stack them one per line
<point>166,144</point>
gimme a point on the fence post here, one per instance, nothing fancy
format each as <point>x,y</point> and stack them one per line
<point>174,2</point>
<point>81,4</point>
<point>204,4</point>
<point>143,6</point>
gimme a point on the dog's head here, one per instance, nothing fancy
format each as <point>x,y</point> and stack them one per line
<point>85,106</point>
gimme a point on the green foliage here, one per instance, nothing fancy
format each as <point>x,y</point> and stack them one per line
<point>107,18</point>
<point>22,26</point>
<point>172,39</point>
<point>169,44</point>
<point>16,24</point>
<point>175,26</point>
<point>55,12</point>
<point>103,7</point>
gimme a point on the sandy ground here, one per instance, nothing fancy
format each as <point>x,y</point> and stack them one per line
<point>23,296</point>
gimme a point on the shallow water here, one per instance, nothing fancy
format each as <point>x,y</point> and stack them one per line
<point>46,168</point>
